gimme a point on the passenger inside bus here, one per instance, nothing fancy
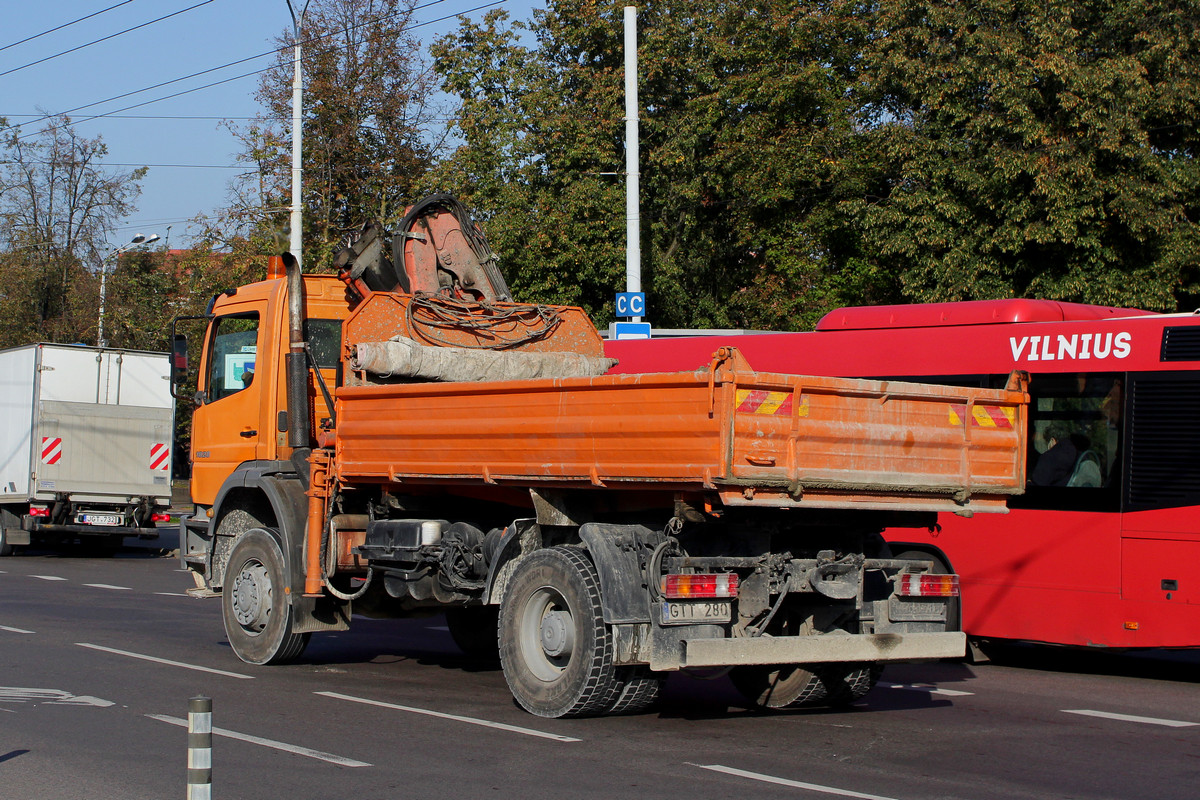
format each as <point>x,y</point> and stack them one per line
<point>1056,465</point>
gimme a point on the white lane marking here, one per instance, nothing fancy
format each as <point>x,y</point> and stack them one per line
<point>12,694</point>
<point>456,718</point>
<point>48,577</point>
<point>284,746</point>
<point>13,630</point>
<point>168,662</point>
<point>812,787</point>
<point>437,627</point>
<point>172,594</point>
<point>108,586</point>
<point>927,687</point>
<point>1170,723</point>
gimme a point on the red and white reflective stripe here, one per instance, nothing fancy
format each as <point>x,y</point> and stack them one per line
<point>160,455</point>
<point>695,587</point>
<point>51,449</point>
<point>924,585</point>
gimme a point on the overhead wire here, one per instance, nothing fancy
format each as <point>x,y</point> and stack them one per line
<point>104,39</point>
<point>65,25</point>
<point>233,64</point>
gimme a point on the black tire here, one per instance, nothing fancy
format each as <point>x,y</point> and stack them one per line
<point>640,689</point>
<point>846,683</point>
<point>778,686</point>
<point>6,549</point>
<point>805,686</point>
<point>555,649</point>
<point>258,618</point>
<point>954,604</point>
<point>474,630</point>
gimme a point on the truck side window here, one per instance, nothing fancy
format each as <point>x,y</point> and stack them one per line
<point>232,360</point>
<point>324,337</point>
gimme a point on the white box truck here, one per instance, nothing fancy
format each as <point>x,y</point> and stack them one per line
<point>85,447</point>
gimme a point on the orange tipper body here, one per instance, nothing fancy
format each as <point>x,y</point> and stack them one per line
<point>404,439</point>
<point>747,438</point>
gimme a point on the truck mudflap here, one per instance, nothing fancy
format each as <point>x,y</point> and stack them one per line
<point>819,649</point>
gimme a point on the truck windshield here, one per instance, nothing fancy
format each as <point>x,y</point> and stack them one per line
<point>234,347</point>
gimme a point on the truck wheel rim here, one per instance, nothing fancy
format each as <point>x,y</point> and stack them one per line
<point>547,634</point>
<point>252,596</point>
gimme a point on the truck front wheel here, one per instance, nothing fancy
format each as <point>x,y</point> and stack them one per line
<point>555,649</point>
<point>258,618</point>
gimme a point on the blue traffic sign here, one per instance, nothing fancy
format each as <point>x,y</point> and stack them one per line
<point>631,304</point>
<point>631,330</point>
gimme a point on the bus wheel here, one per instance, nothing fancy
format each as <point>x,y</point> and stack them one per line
<point>954,604</point>
<point>258,617</point>
<point>555,649</point>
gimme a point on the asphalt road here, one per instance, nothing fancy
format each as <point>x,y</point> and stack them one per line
<point>98,657</point>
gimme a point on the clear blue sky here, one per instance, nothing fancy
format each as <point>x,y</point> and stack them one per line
<point>179,139</point>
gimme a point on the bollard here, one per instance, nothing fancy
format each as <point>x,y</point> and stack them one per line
<point>199,774</point>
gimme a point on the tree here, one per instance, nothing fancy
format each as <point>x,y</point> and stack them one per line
<point>747,142</point>
<point>367,125</point>
<point>1035,149</point>
<point>58,205</point>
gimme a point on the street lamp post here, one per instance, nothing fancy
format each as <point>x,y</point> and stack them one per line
<point>115,254</point>
<point>297,132</point>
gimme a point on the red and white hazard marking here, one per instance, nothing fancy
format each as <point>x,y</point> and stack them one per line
<point>51,449</point>
<point>160,456</point>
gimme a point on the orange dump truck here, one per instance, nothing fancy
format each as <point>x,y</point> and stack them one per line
<point>402,438</point>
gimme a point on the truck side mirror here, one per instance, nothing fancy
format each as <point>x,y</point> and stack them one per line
<point>179,359</point>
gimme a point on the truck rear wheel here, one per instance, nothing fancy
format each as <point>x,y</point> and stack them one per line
<point>802,686</point>
<point>555,649</point>
<point>6,549</point>
<point>258,618</point>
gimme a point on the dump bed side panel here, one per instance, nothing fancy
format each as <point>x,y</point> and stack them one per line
<point>767,439</point>
<point>820,434</point>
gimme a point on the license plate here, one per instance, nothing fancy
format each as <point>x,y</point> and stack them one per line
<point>99,519</point>
<point>696,611</point>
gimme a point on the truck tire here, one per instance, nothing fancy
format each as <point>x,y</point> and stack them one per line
<point>258,617</point>
<point>640,689</point>
<point>555,649</point>
<point>473,629</point>
<point>954,605</point>
<point>6,549</point>
<point>804,686</point>
<point>7,520</point>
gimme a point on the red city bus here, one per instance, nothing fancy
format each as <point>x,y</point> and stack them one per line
<point>1103,549</point>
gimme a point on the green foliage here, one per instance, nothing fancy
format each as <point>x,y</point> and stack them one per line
<point>802,155</point>
<point>1035,149</point>
<point>366,127</point>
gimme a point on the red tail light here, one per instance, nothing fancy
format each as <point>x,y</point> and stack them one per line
<point>921,585</point>
<point>39,511</point>
<point>699,587</point>
<point>159,516</point>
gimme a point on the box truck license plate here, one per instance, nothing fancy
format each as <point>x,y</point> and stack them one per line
<point>98,519</point>
<point>696,611</point>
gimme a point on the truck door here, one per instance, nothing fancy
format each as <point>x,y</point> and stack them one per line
<point>227,426</point>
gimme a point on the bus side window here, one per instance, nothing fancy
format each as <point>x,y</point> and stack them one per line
<point>1075,442</point>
